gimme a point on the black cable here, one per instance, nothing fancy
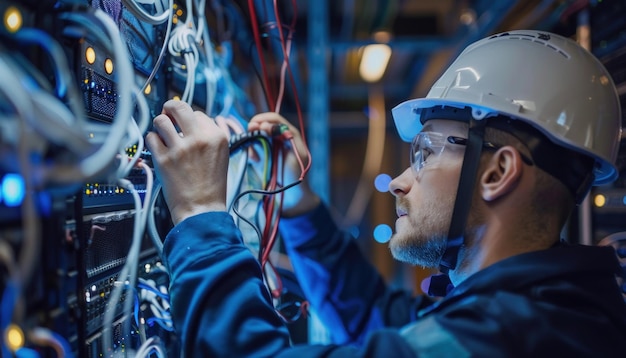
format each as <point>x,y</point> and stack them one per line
<point>235,144</point>
<point>262,192</point>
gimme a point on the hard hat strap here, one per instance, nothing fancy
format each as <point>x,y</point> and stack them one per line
<point>465,190</point>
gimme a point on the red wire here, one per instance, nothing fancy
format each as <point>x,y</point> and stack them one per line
<point>268,208</point>
<point>259,49</point>
<point>271,241</point>
<point>276,291</point>
<point>303,169</point>
<point>271,224</point>
<point>292,80</point>
<point>274,225</point>
<point>270,232</point>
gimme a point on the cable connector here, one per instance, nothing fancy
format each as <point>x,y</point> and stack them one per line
<point>281,131</point>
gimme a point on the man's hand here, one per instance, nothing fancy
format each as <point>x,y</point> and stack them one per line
<point>192,165</point>
<point>299,199</point>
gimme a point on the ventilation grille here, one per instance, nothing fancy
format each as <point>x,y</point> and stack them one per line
<point>540,38</point>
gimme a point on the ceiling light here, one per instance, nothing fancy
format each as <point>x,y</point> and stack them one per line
<point>374,62</point>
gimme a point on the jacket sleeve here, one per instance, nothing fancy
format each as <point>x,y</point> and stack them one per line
<point>220,306</point>
<point>219,303</point>
<point>346,291</point>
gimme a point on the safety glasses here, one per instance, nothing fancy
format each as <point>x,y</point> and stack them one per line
<point>427,145</point>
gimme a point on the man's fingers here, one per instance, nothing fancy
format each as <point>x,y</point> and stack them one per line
<point>154,143</point>
<point>165,128</point>
<point>265,121</point>
<point>181,114</point>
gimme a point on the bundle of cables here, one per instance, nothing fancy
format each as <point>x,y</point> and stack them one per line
<point>266,205</point>
<point>268,25</point>
<point>58,147</point>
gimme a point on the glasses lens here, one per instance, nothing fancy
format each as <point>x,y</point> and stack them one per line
<point>424,144</point>
<point>420,149</point>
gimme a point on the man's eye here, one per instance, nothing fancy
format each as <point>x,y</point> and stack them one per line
<point>426,152</point>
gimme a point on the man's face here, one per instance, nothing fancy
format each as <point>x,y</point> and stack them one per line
<point>425,198</point>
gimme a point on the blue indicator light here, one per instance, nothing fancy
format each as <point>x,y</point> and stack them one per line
<point>382,233</point>
<point>13,189</point>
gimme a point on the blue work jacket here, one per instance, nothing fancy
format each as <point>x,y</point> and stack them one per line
<point>563,301</point>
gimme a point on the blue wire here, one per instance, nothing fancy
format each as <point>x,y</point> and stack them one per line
<point>67,350</point>
<point>136,310</point>
<point>161,322</point>
<point>154,290</point>
<point>26,353</point>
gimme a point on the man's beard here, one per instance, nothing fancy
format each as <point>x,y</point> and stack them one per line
<point>422,240</point>
<point>426,253</point>
<point>425,242</point>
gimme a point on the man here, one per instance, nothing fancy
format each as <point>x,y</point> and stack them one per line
<point>505,144</point>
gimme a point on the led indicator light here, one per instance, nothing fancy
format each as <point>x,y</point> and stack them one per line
<point>90,55</point>
<point>13,189</point>
<point>108,66</point>
<point>599,200</point>
<point>14,337</point>
<point>12,19</point>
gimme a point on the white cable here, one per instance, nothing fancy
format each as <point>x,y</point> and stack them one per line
<point>135,135</point>
<point>189,20</point>
<point>114,297</point>
<point>16,95</point>
<point>152,230</point>
<point>211,68</point>
<point>144,110</point>
<point>129,270</point>
<point>158,5</point>
<point>45,337</point>
<point>184,43</point>
<point>40,111</point>
<point>235,176</point>
<point>31,227</point>
<point>6,256</point>
<point>63,78</point>
<point>57,123</point>
<point>143,15</point>
<point>152,344</point>
<point>180,46</point>
<point>191,62</point>
<point>30,223</point>
<point>99,161</point>
<point>166,39</point>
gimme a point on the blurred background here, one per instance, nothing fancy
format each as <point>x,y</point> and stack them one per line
<point>81,219</point>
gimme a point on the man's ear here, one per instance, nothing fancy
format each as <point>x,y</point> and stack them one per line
<point>502,173</point>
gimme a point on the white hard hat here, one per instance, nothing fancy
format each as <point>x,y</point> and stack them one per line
<point>539,78</point>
